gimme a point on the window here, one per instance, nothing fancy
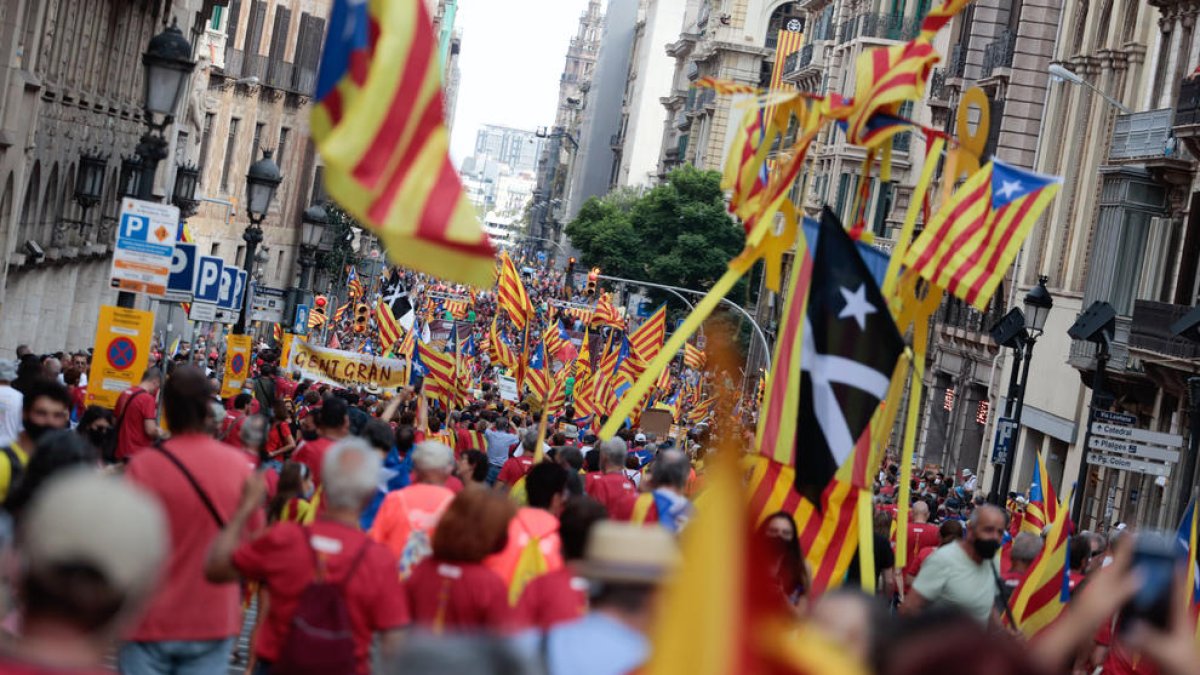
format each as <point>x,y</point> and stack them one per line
<point>230,146</point>
<point>282,147</point>
<point>843,188</point>
<point>181,147</point>
<point>215,250</point>
<point>883,206</point>
<point>318,186</point>
<point>258,17</point>
<point>279,264</point>
<point>241,253</point>
<point>258,129</point>
<point>215,24</point>
<point>231,23</point>
<point>206,139</point>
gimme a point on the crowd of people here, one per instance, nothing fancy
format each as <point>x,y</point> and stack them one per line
<point>336,525</point>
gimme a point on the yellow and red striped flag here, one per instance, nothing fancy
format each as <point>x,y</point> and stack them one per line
<point>277,333</point>
<point>970,242</point>
<point>510,293</point>
<point>557,340</point>
<point>315,320</point>
<point>646,342</point>
<point>498,350</point>
<point>353,285</point>
<point>440,382</point>
<point>1045,590</point>
<point>537,374</point>
<point>340,312</point>
<point>389,329</point>
<point>693,356</point>
<point>407,345</point>
<point>1042,508</point>
<point>716,615</point>
<point>379,125</point>
<point>605,314</point>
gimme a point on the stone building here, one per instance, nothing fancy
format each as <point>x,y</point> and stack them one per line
<point>71,87</point>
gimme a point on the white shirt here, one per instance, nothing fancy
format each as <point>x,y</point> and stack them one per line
<point>10,414</point>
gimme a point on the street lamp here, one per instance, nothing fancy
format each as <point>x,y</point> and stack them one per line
<point>312,232</point>
<point>1038,303</point>
<point>262,180</point>
<point>167,65</point>
<point>89,180</point>
<point>1060,73</point>
<point>184,193</point>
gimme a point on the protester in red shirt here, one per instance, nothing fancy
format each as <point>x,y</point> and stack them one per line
<point>287,556</point>
<point>70,620</point>
<point>949,532</point>
<point>231,426</point>
<point>333,424</point>
<point>1024,549</point>
<point>560,596</point>
<point>517,466</point>
<point>611,487</point>
<point>453,590</point>
<point>198,481</point>
<point>921,534</point>
<point>137,416</point>
<point>545,487</point>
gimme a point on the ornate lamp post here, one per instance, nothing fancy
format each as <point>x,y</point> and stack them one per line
<point>262,181</point>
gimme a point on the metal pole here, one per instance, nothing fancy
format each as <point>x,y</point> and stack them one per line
<point>1018,408</point>
<point>1013,382</point>
<point>253,236</point>
<point>1081,475</point>
<point>1187,475</point>
<point>678,289</point>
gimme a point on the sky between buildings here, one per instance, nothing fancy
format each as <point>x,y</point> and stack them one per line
<point>512,56</point>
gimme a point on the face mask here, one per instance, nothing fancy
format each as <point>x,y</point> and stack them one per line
<point>986,548</point>
<point>35,431</point>
<point>309,435</point>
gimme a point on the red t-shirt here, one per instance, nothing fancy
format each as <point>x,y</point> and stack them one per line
<point>231,428</point>
<point>283,560</point>
<point>465,597</point>
<point>514,469</point>
<point>527,524</point>
<point>134,407</point>
<point>312,455</point>
<point>185,605</point>
<point>1118,661</point>
<point>279,436</point>
<point>922,555</point>
<point>616,492</point>
<point>554,597</point>
<point>920,535</point>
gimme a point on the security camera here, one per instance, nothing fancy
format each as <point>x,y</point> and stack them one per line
<point>34,250</point>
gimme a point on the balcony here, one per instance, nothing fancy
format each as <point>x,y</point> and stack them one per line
<point>1187,114</point>
<point>879,26</point>
<point>1151,330</point>
<point>1148,138</point>
<point>958,61</point>
<point>999,54</point>
<point>804,65</point>
<point>937,86</point>
<point>824,30</point>
<point>707,98</point>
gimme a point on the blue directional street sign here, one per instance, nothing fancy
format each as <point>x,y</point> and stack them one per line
<point>182,281</point>
<point>1005,437</point>
<point>300,326</point>
<point>209,270</point>
<point>239,290</point>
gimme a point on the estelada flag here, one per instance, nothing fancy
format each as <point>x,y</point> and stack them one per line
<point>379,126</point>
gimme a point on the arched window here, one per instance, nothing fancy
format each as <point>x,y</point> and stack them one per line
<point>1100,39</point>
<point>50,209</point>
<point>1080,25</point>
<point>1129,21</point>
<point>29,208</point>
<point>785,17</point>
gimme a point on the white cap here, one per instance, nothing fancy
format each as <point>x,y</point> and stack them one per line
<point>640,438</point>
<point>101,521</point>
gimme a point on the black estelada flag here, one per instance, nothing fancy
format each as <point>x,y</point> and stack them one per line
<point>395,295</point>
<point>850,349</point>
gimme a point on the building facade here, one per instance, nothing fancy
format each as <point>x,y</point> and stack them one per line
<point>71,86</point>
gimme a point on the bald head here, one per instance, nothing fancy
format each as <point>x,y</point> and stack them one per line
<point>920,512</point>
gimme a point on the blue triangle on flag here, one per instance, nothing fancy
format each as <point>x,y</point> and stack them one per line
<point>1010,183</point>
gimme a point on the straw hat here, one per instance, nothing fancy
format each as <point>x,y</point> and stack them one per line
<point>623,552</point>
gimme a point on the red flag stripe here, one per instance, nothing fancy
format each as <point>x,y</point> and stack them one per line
<point>947,223</point>
<point>1009,233</point>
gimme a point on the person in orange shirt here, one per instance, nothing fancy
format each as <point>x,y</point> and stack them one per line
<point>545,486</point>
<point>408,516</point>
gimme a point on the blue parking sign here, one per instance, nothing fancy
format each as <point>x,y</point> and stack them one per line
<point>209,270</point>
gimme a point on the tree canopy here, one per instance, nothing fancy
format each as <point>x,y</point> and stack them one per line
<point>678,233</point>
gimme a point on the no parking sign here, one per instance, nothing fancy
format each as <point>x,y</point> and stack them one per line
<point>237,365</point>
<point>122,352</point>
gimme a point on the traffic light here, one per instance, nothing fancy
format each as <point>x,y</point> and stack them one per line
<point>593,277</point>
<point>569,278</point>
<point>362,316</point>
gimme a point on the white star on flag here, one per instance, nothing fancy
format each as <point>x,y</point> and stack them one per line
<point>857,306</point>
<point>1008,188</point>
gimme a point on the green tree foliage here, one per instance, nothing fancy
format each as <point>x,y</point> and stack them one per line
<point>337,231</point>
<point>678,233</point>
